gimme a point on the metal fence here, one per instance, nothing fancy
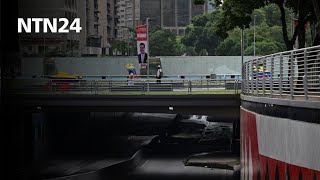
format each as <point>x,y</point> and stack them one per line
<point>165,77</point>
<point>128,86</point>
<point>292,74</point>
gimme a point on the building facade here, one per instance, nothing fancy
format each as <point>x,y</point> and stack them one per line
<point>171,14</point>
<point>128,12</point>
<point>99,19</point>
<point>49,44</point>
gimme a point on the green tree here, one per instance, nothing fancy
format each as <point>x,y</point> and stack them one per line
<point>231,45</point>
<point>267,42</point>
<point>201,33</point>
<point>239,14</point>
<point>163,43</point>
<point>119,47</point>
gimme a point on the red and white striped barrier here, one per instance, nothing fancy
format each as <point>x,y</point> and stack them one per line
<point>272,146</point>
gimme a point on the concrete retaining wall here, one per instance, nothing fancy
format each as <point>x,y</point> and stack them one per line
<point>172,65</point>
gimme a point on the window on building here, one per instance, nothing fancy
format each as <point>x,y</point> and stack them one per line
<point>169,13</point>
<point>183,13</point>
<point>94,41</point>
<point>151,9</point>
<point>197,10</point>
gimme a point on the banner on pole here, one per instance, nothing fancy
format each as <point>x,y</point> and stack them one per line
<point>142,46</point>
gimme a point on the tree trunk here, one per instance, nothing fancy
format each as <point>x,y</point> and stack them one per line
<point>289,43</point>
<point>301,33</point>
<point>316,6</point>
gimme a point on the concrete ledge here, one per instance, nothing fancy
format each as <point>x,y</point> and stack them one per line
<point>282,102</point>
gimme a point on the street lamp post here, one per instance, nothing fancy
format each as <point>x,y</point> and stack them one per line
<point>130,30</point>
<point>148,54</point>
<point>254,36</point>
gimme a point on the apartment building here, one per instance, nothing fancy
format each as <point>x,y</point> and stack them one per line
<point>100,27</point>
<point>49,44</point>
<point>128,13</point>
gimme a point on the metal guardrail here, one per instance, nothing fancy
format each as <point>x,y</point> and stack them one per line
<point>128,86</point>
<point>291,75</point>
<point>165,77</point>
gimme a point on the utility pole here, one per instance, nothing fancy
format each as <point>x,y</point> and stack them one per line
<point>254,36</point>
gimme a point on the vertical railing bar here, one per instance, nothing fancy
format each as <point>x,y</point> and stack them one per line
<point>96,87</point>
<point>291,86</point>
<point>252,77</point>
<point>281,74</point>
<point>291,76</point>
<point>305,77</point>
<point>264,76</point>
<point>271,76</point>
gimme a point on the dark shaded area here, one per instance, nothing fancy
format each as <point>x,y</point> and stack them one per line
<point>105,144</point>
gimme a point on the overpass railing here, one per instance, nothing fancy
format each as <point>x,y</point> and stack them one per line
<point>292,75</point>
<point>165,77</point>
<point>128,86</point>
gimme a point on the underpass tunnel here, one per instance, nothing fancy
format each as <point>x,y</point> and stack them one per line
<point>93,137</point>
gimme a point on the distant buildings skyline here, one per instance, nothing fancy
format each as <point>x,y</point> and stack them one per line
<point>102,22</point>
<point>174,15</point>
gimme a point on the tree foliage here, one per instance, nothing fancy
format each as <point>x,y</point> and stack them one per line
<point>163,43</point>
<point>237,13</point>
<point>201,33</point>
<point>119,46</point>
<point>269,38</point>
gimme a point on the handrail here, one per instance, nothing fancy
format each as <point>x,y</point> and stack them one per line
<point>129,86</point>
<point>289,75</point>
<point>171,76</point>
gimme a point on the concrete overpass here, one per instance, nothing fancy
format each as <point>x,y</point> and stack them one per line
<point>221,106</point>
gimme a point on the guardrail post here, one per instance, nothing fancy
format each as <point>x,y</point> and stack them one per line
<point>143,87</point>
<point>236,86</point>
<point>305,77</point>
<point>91,86</point>
<point>291,76</point>
<point>319,81</point>
<point>281,75</point>
<point>96,87</point>
<point>252,77</point>
<point>243,73</point>
<point>257,86</point>
<point>264,77</point>
<point>271,76</point>
<point>247,80</point>
<point>291,86</point>
<point>305,87</point>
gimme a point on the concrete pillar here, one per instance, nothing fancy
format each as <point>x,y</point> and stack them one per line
<point>38,135</point>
